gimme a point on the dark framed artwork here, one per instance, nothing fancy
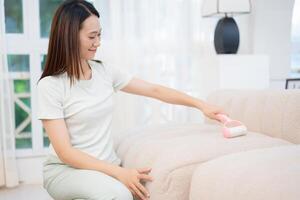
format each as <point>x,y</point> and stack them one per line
<point>292,83</point>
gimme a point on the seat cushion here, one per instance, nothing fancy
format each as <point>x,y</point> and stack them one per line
<point>272,173</point>
<point>140,146</point>
<point>173,152</point>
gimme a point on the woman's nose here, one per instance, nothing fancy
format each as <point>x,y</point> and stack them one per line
<point>97,43</point>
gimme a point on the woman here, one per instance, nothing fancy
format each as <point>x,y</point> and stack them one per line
<point>75,106</point>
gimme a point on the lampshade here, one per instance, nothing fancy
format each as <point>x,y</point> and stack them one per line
<point>222,7</point>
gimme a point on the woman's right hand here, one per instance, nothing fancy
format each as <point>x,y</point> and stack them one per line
<point>132,179</point>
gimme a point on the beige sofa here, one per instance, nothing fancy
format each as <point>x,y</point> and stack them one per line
<point>194,161</point>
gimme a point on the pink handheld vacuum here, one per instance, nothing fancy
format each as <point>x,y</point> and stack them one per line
<point>232,128</point>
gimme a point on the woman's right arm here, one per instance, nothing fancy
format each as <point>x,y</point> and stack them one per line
<point>59,137</point>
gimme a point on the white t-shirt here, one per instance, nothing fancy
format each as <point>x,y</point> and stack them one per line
<point>86,107</point>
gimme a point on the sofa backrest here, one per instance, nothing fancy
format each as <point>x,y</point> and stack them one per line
<point>272,112</point>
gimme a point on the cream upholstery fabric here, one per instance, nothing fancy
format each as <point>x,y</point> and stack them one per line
<point>173,151</point>
<point>272,112</point>
<point>141,146</point>
<point>272,173</point>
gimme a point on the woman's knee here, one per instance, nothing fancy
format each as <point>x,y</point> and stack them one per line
<point>97,186</point>
<point>109,190</point>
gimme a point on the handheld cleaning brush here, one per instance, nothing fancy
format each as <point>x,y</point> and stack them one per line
<point>232,128</point>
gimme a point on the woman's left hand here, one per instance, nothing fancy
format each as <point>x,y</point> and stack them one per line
<point>211,111</point>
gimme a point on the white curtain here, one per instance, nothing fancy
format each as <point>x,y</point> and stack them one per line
<point>158,41</point>
<point>8,166</point>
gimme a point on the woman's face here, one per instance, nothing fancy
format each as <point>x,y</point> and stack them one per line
<point>89,35</point>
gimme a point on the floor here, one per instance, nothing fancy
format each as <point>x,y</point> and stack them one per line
<point>25,192</point>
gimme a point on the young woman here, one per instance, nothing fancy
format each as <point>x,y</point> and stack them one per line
<point>75,106</point>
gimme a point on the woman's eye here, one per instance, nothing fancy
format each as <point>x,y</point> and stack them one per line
<point>92,38</point>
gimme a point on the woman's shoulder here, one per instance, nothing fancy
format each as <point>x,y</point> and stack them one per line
<point>52,81</point>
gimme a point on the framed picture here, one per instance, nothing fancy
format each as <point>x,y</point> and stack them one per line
<point>292,83</point>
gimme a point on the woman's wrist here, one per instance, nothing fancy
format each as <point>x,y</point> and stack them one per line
<point>116,171</point>
<point>200,104</point>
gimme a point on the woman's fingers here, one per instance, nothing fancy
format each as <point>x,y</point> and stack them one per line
<point>138,192</point>
<point>136,188</point>
<point>142,189</point>
<point>144,170</point>
<point>145,177</point>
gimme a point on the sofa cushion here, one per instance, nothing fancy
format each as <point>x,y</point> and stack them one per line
<point>139,147</point>
<point>273,112</point>
<point>174,151</point>
<point>272,173</point>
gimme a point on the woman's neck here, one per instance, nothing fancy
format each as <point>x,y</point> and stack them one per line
<point>87,72</point>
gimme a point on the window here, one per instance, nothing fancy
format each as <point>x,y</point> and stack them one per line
<point>46,141</point>
<point>18,65</point>
<point>27,27</point>
<point>13,16</point>
<point>295,62</point>
<point>47,9</point>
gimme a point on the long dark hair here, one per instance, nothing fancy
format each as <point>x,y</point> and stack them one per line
<point>64,47</point>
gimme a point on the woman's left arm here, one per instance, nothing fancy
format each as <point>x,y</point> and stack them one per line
<point>169,95</point>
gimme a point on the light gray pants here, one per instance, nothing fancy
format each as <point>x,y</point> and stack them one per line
<point>66,183</point>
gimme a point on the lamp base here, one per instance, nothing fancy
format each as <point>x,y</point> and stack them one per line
<point>227,36</point>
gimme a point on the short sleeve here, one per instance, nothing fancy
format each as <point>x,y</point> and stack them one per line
<point>119,77</point>
<point>49,97</point>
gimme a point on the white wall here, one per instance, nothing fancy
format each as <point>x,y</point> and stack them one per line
<point>266,31</point>
<point>271,22</point>
<point>30,169</point>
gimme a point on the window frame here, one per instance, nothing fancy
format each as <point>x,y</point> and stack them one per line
<point>30,43</point>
